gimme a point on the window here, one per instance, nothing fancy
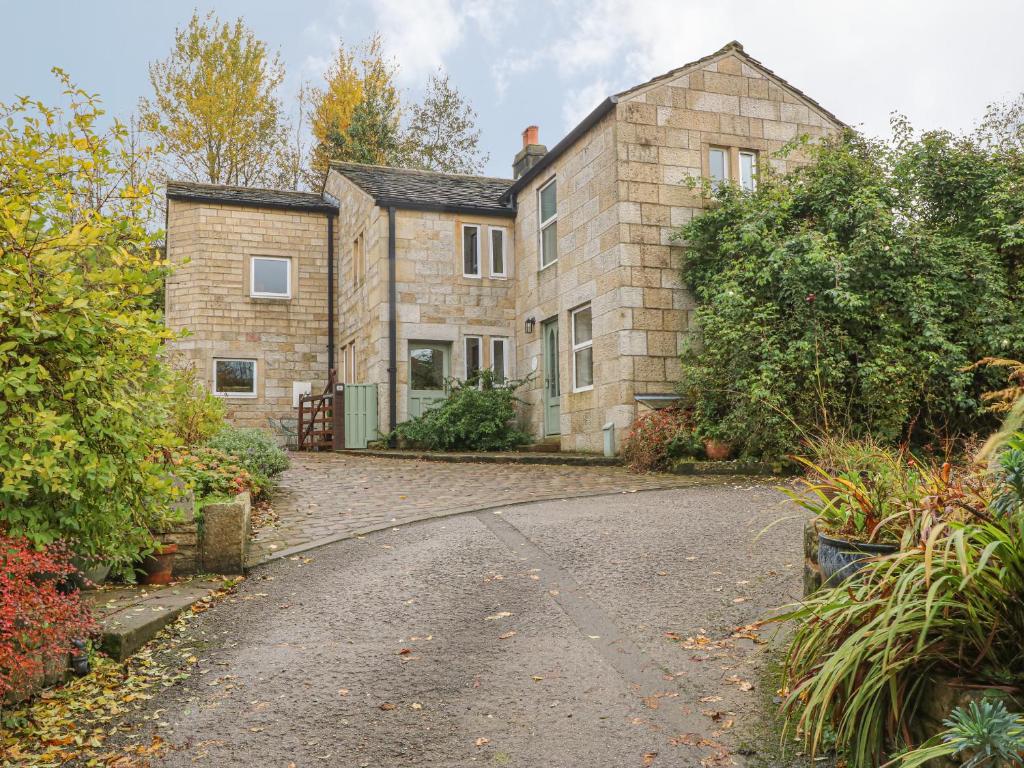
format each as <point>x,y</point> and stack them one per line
<point>548,216</point>
<point>499,359</point>
<point>582,350</point>
<point>498,252</point>
<point>748,170</point>
<point>234,378</point>
<point>470,250</point>
<point>473,356</point>
<point>271,277</point>
<point>352,363</point>
<point>358,260</point>
<point>718,166</point>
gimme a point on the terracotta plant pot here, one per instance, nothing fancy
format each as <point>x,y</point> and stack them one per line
<point>717,450</point>
<point>159,566</point>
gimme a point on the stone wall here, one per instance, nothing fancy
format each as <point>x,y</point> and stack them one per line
<point>210,246</point>
<point>588,270</point>
<point>665,131</point>
<point>435,302</point>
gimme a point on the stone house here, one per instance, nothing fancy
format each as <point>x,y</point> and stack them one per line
<point>565,275</point>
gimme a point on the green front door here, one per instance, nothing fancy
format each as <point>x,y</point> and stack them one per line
<point>552,383</point>
<point>429,367</point>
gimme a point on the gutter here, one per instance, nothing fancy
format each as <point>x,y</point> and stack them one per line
<point>330,295</point>
<point>392,326</point>
<point>567,141</point>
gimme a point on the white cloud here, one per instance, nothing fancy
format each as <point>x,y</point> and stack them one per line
<point>580,102</point>
<point>418,34</point>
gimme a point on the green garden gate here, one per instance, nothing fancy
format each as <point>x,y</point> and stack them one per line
<point>360,415</point>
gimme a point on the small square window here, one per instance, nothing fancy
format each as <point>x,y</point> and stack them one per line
<point>234,378</point>
<point>271,277</point>
<point>582,349</point>
<point>498,252</point>
<point>470,250</point>
<point>748,170</point>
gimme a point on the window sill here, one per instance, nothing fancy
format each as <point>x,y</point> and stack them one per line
<point>576,391</point>
<point>235,396</point>
<point>263,297</point>
<point>548,265</point>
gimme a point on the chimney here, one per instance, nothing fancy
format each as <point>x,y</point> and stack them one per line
<point>530,154</point>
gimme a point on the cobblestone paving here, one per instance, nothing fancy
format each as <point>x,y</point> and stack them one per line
<point>325,497</point>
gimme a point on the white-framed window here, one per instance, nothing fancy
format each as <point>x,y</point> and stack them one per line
<point>499,358</point>
<point>748,170</point>
<point>351,363</point>
<point>471,250</point>
<point>270,277</point>
<point>473,359</point>
<point>498,268</point>
<point>547,216</point>
<point>582,349</point>
<point>718,165</point>
<point>234,377</point>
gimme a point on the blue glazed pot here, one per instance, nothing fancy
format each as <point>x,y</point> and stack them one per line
<point>839,559</point>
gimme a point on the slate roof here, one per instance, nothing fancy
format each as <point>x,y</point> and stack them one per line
<point>429,190</point>
<point>252,197</point>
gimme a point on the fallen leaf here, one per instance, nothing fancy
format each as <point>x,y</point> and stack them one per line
<point>507,635</point>
<point>501,615</point>
<point>417,705</point>
<point>536,678</point>
<point>387,706</point>
<point>482,741</point>
<point>709,699</point>
<point>649,758</point>
<point>740,600</point>
<point>405,652</point>
<point>343,691</point>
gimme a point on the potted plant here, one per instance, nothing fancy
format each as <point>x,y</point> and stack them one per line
<point>159,564</point>
<point>716,447</point>
<point>862,504</point>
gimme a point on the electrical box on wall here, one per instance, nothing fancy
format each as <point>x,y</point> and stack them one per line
<point>300,388</point>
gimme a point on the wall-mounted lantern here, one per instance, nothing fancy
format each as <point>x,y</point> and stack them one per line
<point>530,325</point>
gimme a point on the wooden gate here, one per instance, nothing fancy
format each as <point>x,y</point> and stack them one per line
<point>360,414</point>
<point>317,415</point>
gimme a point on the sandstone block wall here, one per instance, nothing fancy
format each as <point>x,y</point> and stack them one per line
<point>210,246</point>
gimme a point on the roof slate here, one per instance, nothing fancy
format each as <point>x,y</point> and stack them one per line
<point>429,190</point>
<point>249,196</point>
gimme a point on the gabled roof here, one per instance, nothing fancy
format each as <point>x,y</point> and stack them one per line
<point>608,104</point>
<point>250,197</point>
<point>429,190</point>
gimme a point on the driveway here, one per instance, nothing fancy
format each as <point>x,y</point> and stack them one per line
<point>327,496</point>
<point>597,631</point>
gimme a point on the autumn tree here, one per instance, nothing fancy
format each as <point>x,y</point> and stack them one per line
<point>215,107</point>
<point>442,133</point>
<point>333,105</point>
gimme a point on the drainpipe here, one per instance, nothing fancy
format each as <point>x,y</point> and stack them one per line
<point>330,294</point>
<point>392,327</point>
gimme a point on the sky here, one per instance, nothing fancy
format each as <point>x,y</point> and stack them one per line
<point>526,62</point>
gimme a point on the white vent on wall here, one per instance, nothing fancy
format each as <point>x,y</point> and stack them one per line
<point>300,388</point>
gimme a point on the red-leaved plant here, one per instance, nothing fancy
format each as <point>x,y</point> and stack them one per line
<point>37,621</point>
<point>657,438</point>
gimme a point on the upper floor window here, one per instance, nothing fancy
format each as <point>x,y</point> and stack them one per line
<point>234,378</point>
<point>498,252</point>
<point>582,349</point>
<point>548,218</point>
<point>718,165</point>
<point>470,250</point>
<point>358,259</point>
<point>748,170</point>
<point>271,277</point>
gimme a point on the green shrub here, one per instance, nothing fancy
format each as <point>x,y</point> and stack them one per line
<point>196,414</point>
<point>209,472</point>
<point>865,653</point>
<point>254,450</point>
<point>854,292</point>
<point>657,439</point>
<point>478,415</point>
<point>82,387</point>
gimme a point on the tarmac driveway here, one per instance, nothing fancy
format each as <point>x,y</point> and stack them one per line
<point>597,631</point>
